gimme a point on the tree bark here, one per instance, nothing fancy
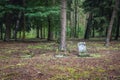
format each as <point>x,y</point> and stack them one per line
<point>8,29</point>
<point>1,31</point>
<point>63,26</point>
<point>50,35</point>
<point>72,24</point>
<point>111,23</point>
<point>37,31</point>
<point>7,32</point>
<point>88,27</point>
<point>118,25</point>
<point>76,11</point>
<point>44,32</point>
<point>17,26</point>
<point>24,27</point>
<point>93,32</point>
<point>118,28</point>
<point>20,34</point>
<point>41,30</point>
<point>24,21</point>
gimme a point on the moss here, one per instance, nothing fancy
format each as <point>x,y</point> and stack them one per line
<point>60,77</point>
<point>14,66</point>
<point>84,74</point>
<point>72,76</point>
<point>83,55</point>
<point>10,51</point>
<point>26,56</point>
<point>61,68</point>
<point>100,70</point>
<point>71,70</point>
<point>39,66</point>
<point>4,57</point>
<point>95,55</point>
<point>25,51</point>
<point>69,73</point>
<point>43,47</point>
<point>98,73</point>
<point>9,76</point>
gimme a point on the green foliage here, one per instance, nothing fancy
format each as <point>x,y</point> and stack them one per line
<point>42,11</point>
<point>101,13</point>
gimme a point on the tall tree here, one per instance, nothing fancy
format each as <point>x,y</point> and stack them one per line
<point>17,26</point>
<point>88,26</point>
<point>24,20</point>
<point>8,20</point>
<point>118,28</point>
<point>118,24</point>
<point>63,25</point>
<point>49,29</point>
<point>112,22</point>
<point>76,12</point>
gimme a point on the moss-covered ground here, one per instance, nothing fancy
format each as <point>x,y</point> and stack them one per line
<point>37,61</point>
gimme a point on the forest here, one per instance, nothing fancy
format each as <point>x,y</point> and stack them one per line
<point>39,39</point>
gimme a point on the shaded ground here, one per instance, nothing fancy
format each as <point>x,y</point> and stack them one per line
<point>37,61</point>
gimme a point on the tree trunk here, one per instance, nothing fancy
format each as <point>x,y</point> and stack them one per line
<point>44,31</point>
<point>63,26</point>
<point>50,35</point>
<point>111,23</point>
<point>88,27</point>
<point>106,29</point>
<point>24,22</point>
<point>37,31</point>
<point>24,27</point>
<point>118,25</point>
<point>41,30</point>
<point>7,32</point>
<point>93,33</point>
<point>118,28</point>
<point>1,31</point>
<point>72,24</point>
<point>17,26</point>
<point>75,34</point>
<point>20,35</point>
<point>8,29</point>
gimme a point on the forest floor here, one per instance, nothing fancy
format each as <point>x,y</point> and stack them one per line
<point>37,61</point>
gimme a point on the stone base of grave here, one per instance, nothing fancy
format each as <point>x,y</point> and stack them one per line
<point>60,56</point>
<point>83,55</point>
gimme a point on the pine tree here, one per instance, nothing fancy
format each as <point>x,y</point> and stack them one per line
<point>63,26</point>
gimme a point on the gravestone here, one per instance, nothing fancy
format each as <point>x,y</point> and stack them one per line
<point>82,50</point>
<point>82,47</point>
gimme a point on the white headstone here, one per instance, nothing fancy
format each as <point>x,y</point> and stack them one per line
<point>82,47</point>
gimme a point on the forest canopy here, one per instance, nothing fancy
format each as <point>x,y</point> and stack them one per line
<point>42,19</point>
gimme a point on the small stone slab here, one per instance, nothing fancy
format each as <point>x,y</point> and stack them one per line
<point>82,47</point>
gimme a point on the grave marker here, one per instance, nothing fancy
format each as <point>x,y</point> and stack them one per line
<point>82,47</point>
